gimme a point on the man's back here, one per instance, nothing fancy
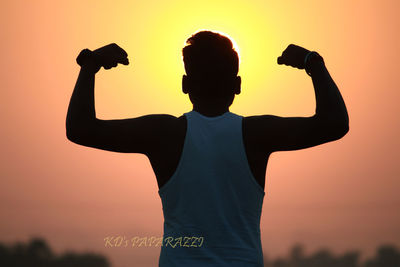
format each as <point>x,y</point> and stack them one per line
<point>165,159</point>
<point>262,135</point>
<point>212,203</point>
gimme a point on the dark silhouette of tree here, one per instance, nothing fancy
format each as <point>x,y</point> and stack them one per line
<point>349,259</point>
<point>38,254</point>
<point>386,256</point>
<point>321,258</point>
<point>297,256</point>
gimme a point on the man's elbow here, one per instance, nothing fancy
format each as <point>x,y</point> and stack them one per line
<point>70,130</point>
<point>79,132</point>
<point>76,135</point>
<point>79,139</point>
<point>333,127</point>
<point>72,136</point>
<point>338,130</point>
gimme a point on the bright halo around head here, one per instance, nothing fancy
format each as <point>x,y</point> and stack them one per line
<point>235,46</point>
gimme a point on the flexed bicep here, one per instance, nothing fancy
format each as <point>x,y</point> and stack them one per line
<point>134,135</point>
<point>275,133</point>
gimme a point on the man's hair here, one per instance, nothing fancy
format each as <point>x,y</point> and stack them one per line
<point>210,55</point>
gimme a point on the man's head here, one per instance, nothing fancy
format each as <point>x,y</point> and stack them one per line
<point>211,66</point>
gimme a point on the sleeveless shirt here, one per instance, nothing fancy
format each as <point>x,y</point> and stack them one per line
<point>212,203</point>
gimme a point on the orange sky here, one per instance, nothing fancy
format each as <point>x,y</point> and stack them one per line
<point>75,196</point>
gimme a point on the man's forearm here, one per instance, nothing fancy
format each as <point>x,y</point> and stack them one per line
<point>329,102</point>
<point>81,110</point>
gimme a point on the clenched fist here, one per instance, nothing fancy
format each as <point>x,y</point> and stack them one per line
<point>293,56</point>
<point>107,57</point>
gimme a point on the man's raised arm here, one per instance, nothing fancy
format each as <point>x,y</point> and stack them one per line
<point>330,121</point>
<point>81,111</point>
<point>134,135</point>
<point>330,109</point>
<point>81,115</point>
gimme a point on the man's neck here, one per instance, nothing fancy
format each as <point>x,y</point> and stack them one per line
<point>210,112</point>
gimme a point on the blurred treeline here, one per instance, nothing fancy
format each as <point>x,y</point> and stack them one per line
<point>37,253</point>
<point>385,256</point>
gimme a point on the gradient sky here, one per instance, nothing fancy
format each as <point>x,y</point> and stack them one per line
<point>341,195</point>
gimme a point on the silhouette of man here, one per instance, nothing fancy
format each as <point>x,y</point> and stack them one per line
<point>209,163</point>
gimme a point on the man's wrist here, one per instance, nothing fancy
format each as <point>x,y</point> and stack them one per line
<point>87,61</point>
<point>314,63</point>
<point>90,66</point>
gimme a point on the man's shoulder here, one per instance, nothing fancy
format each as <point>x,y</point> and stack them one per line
<point>257,128</point>
<point>258,120</point>
<point>163,119</point>
<point>168,130</point>
<point>167,123</point>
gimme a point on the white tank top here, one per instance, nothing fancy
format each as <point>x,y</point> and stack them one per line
<point>212,203</point>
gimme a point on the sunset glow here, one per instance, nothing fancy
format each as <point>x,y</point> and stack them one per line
<point>342,195</point>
